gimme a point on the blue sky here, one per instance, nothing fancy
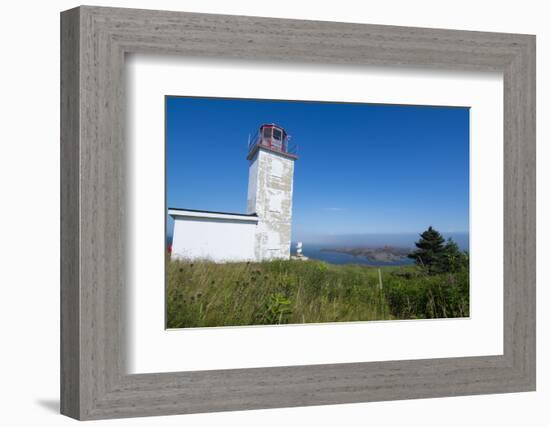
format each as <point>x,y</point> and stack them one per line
<point>362,168</point>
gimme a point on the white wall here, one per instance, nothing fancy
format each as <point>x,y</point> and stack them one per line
<point>270,197</point>
<point>210,239</point>
<point>29,177</point>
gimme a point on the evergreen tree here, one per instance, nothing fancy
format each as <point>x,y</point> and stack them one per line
<point>430,250</point>
<point>453,258</point>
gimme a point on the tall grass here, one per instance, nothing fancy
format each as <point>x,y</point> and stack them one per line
<point>201,294</point>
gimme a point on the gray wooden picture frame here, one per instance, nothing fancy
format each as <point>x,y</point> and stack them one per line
<point>94,381</point>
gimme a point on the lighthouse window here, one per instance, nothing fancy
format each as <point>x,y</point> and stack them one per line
<point>267,132</point>
<point>277,134</point>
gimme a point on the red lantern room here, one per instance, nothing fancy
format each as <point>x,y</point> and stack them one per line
<point>273,138</point>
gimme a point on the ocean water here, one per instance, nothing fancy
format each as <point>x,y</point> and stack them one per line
<point>314,249</point>
<point>315,252</point>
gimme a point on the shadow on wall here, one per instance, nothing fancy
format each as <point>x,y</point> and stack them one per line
<point>51,405</point>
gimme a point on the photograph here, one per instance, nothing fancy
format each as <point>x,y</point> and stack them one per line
<point>293,212</point>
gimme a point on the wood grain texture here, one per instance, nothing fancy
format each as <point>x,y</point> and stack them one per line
<point>70,291</point>
<point>94,268</point>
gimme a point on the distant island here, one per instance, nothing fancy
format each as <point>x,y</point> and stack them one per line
<point>381,254</point>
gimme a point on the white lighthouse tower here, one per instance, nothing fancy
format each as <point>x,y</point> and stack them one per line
<point>260,234</point>
<point>270,186</point>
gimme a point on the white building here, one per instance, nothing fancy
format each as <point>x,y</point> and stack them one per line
<point>264,232</point>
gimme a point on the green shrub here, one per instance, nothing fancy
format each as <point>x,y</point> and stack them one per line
<point>428,296</point>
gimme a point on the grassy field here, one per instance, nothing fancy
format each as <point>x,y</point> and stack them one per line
<point>202,294</point>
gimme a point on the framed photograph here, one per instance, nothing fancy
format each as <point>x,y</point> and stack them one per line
<point>261,213</point>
